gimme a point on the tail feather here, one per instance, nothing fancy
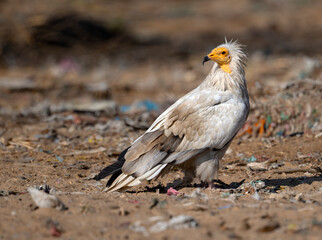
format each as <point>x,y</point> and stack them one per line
<point>124,180</point>
<point>114,169</point>
<point>153,172</point>
<point>113,177</point>
<point>121,182</point>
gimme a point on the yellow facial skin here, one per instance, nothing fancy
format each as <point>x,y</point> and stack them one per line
<point>221,56</point>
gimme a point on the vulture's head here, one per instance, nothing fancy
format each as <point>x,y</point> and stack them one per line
<point>227,56</point>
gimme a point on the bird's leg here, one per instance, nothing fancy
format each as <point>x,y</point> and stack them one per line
<point>211,184</point>
<point>189,174</point>
<point>216,167</point>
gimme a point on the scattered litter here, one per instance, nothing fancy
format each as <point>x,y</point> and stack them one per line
<point>256,196</point>
<point>275,166</point>
<point>47,189</point>
<point>291,196</point>
<point>257,166</point>
<point>24,144</point>
<point>136,123</point>
<point>198,194</point>
<point>100,89</point>
<point>59,158</point>
<point>172,192</point>
<point>140,106</point>
<point>47,134</point>
<point>106,106</point>
<point>296,134</point>
<point>45,200</point>
<point>4,193</point>
<point>44,151</point>
<point>138,228</point>
<point>18,84</point>
<point>112,126</point>
<point>54,227</point>
<point>178,222</point>
<point>158,203</point>
<point>259,184</point>
<point>236,166</point>
<point>225,194</point>
<point>249,160</point>
<point>225,207</point>
<point>318,135</point>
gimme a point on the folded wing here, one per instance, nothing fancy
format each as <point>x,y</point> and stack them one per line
<point>201,120</point>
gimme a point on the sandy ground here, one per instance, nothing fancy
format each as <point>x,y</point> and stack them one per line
<point>67,112</point>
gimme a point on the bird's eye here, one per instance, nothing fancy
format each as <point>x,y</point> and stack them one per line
<point>223,52</point>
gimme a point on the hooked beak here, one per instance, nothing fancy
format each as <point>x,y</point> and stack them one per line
<point>205,59</point>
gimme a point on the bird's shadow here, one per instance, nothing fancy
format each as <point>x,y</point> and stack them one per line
<point>292,181</point>
<point>163,189</point>
<point>274,183</point>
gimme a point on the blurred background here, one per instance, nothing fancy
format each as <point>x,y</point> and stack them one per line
<point>57,55</point>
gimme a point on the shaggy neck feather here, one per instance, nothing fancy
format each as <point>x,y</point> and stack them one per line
<point>223,81</point>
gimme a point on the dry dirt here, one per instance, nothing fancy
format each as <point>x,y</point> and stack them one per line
<point>67,111</point>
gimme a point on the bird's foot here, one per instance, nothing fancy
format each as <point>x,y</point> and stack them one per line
<point>208,185</point>
<point>211,185</point>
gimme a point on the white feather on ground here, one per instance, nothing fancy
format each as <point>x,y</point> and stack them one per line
<point>45,200</point>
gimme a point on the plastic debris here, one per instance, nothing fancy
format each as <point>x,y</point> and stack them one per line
<point>251,159</point>
<point>138,228</point>
<point>45,200</point>
<point>59,158</point>
<point>198,194</point>
<point>256,196</point>
<point>225,207</point>
<point>178,222</point>
<point>140,106</point>
<point>225,194</point>
<point>172,192</point>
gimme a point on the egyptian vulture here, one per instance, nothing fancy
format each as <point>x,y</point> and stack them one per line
<point>195,132</point>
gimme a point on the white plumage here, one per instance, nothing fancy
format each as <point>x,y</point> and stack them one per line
<point>195,131</point>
